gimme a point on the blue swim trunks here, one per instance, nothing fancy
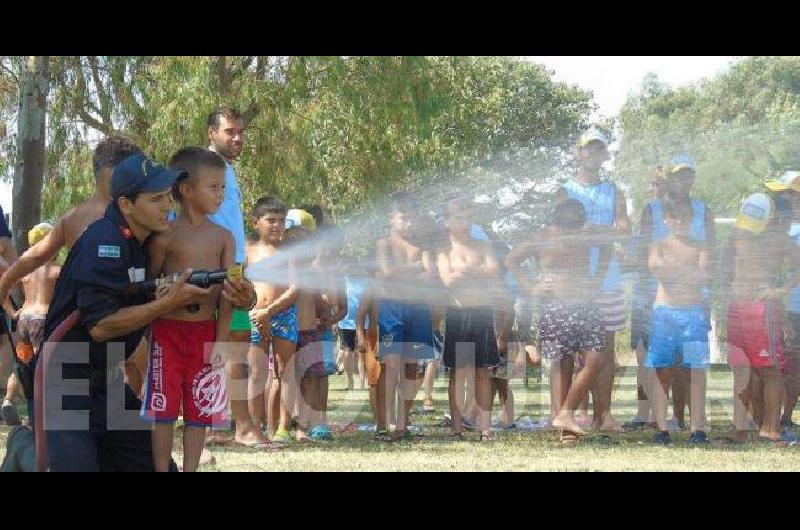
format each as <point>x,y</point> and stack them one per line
<point>282,326</point>
<point>328,353</point>
<point>678,335</point>
<point>406,330</point>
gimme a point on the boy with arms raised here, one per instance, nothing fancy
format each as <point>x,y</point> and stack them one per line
<point>38,288</point>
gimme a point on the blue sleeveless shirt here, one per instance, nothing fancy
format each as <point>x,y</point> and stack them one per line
<point>599,201</point>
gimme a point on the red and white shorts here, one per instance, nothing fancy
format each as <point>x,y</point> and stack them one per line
<point>754,334</point>
<point>179,375</point>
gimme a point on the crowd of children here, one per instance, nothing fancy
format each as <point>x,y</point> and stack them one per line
<point>436,291</point>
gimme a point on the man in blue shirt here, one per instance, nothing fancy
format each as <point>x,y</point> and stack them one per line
<point>606,211</point>
<point>226,138</point>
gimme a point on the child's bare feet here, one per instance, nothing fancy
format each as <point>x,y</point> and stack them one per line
<point>301,436</point>
<point>566,422</point>
<point>219,438</point>
<point>583,419</point>
<point>250,438</point>
<point>611,425</point>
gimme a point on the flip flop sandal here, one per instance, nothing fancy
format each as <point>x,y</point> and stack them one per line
<point>773,443</point>
<point>321,433</point>
<point>222,439</point>
<point>269,447</point>
<point>485,438</point>
<point>282,438</point>
<point>569,439</point>
<point>634,426</point>
<point>383,436</point>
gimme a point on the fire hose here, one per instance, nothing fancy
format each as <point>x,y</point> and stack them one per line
<point>38,386</point>
<point>199,278</point>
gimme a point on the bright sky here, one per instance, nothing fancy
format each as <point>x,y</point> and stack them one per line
<point>612,78</point>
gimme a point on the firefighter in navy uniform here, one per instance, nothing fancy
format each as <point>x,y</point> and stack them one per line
<point>94,291</point>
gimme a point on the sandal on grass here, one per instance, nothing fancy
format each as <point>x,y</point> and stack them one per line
<point>321,433</point>
<point>407,436</point>
<point>383,436</point>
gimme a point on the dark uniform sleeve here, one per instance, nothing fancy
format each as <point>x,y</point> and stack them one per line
<point>103,277</point>
<point>4,231</point>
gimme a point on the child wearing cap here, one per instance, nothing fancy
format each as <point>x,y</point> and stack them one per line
<point>276,322</point>
<point>38,289</point>
<point>758,251</point>
<point>185,369</point>
<point>679,323</point>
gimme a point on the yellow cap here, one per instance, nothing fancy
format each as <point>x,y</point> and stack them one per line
<point>297,217</point>
<point>790,180</point>
<point>755,213</point>
<point>593,135</point>
<point>38,232</point>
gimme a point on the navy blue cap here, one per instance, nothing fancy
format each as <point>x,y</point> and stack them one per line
<point>139,174</point>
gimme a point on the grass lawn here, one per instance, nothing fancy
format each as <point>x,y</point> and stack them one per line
<point>513,451</point>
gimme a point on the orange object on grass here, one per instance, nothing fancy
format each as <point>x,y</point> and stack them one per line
<point>371,363</point>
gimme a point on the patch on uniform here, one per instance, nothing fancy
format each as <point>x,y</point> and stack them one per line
<point>108,251</point>
<point>136,275</point>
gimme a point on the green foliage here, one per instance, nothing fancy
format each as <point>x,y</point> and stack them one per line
<point>742,127</point>
<point>341,131</point>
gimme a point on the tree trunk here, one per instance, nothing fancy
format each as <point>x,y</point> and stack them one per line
<point>29,170</point>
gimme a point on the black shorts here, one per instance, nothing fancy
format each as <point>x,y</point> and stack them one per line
<point>347,337</point>
<point>468,327</point>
